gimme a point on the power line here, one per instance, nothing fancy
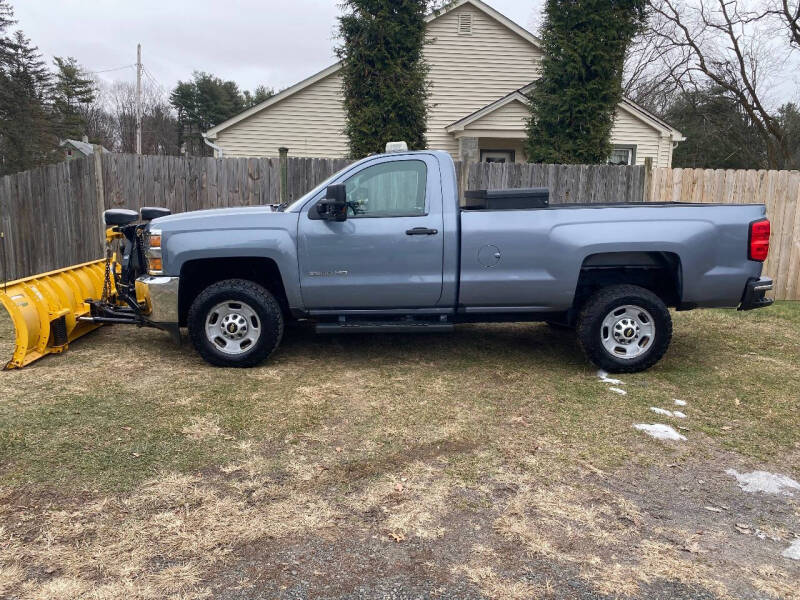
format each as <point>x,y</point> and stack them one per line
<point>152,78</point>
<point>109,70</point>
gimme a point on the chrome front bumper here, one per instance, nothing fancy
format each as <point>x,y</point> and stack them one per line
<point>162,294</point>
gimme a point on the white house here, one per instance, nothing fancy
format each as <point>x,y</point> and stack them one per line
<point>480,62</point>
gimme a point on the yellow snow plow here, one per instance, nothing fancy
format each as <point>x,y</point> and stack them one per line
<point>51,310</point>
<point>46,309</point>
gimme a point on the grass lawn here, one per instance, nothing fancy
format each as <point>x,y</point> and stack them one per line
<point>487,463</point>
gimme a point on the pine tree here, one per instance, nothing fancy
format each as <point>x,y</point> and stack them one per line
<point>384,74</point>
<point>6,21</point>
<point>573,103</point>
<point>27,137</point>
<point>73,91</point>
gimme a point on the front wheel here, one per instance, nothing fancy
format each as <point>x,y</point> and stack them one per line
<point>235,323</point>
<point>624,329</point>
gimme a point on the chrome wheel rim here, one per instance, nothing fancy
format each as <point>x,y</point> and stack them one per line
<point>628,332</point>
<point>233,327</point>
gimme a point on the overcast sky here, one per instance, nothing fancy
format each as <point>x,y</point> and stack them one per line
<point>270,42</point>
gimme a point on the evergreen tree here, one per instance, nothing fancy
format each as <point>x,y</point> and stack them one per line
<point>257,96</point>
<point>73,92</point>
<point>27,138</point>
<point>6,21</point>
<point>573,103</point>
<point>384,74</point>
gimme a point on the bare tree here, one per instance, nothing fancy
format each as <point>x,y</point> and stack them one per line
<point>729,44</point>
<point>789,14</point>
<point>99,124</point>
<point>159,126</point>
<point>655,69</point>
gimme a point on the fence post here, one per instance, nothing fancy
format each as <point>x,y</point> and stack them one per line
<point>648,179</point>
<point>99,193</point>
<point>283,153</point>
<point>469,153</point>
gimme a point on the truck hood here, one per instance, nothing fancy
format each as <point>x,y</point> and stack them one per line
<point>243,217</point>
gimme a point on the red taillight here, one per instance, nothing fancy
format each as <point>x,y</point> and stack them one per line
<point>759,240</point>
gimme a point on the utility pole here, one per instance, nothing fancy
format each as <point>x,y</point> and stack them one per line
<point>138,98</point>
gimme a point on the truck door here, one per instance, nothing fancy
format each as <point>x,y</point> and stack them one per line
<point>389,251</point>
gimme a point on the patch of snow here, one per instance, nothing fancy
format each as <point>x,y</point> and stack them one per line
<point>604,378</point>
<point>763,481</point>
<point>660,432</point>
<point>617,390</point>
<point>668,413</point>
<point>792,551</point>
<point>679,402</point>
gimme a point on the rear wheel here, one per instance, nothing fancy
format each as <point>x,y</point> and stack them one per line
<point>624,329</point>
<point>235,323</point>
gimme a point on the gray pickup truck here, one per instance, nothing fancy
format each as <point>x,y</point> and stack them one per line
<point>385,246</point>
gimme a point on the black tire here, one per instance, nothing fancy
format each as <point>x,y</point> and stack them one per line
<point>259,299</point>
<point>600,305</point>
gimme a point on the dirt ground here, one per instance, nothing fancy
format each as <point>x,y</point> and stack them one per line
<point>491,463</point>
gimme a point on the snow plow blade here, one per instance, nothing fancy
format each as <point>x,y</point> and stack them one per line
<point>45,309</point>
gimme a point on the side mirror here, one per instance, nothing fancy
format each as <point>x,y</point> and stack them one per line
<point>333,207</point>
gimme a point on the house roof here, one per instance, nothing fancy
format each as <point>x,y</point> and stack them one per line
<point>520,95</point>
<point>83,147</point>
<point>485,8</point>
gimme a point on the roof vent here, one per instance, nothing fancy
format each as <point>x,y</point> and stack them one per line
<point>465,24</point>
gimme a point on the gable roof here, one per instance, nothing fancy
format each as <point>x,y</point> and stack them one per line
<point>461,124</point>
<point>83,147</point>
<point>520,95</point>
<point>485,8</point>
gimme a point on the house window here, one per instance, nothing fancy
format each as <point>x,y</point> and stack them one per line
<point>498,156</point>
<point>623,155</point>
<point>465,24</point>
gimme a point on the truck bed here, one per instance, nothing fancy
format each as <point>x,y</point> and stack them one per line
<point>531,259</point>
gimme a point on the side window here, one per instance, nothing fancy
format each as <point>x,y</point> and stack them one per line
<point>390,189</point>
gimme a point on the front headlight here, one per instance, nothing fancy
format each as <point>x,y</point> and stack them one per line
<point>154,264</point>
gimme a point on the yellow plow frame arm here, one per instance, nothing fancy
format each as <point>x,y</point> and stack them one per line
<point>46,308</point>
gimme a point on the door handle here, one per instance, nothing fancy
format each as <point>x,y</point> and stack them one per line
<point>422,231</point>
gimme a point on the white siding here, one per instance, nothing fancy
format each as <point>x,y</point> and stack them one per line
<point>630,131</point>
<point>309,123</point>
<point>470,71</point>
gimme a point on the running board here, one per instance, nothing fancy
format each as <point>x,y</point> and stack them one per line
<point>384,327</point>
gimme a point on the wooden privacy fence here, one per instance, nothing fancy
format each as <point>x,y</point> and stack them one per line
<point>51,217</point>
<point>568,184</point>
<point>779,190</point>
